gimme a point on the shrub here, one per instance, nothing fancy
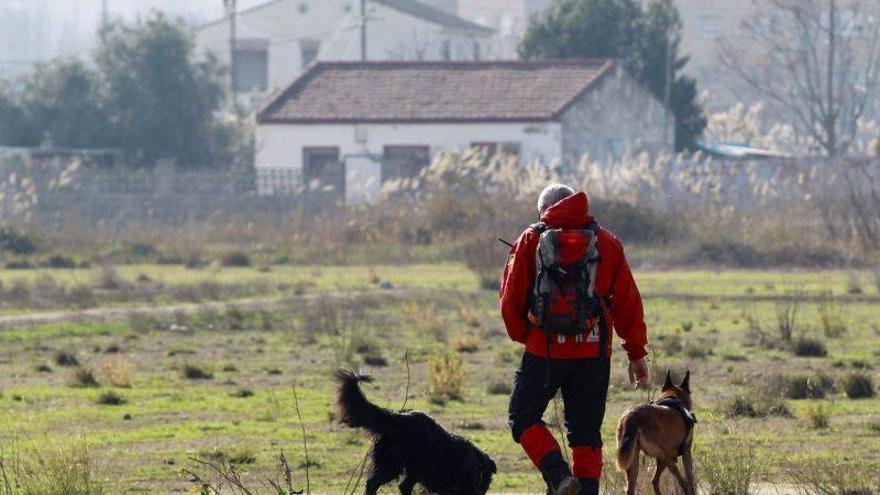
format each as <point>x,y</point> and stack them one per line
<point>375,359</point>
<point>236,259</point>
<point>481,255</point>
<point>809,347</point>
<point>16,242</point>
<point>83,378</point>
<point>466,343</point>
<point>425,318</point>
<point>60,261</point>
<point>470,315</point>
<point>110,398</point>
<point>499,388</point>
<point>243,393</point>
<point>728,467</point>
<point>63,358</point>
<point>831,318</point>
<point>858,385</point>
<point>819,416</point>
<point>446,378</point>
<point>193,372</point>
<point>44,368</point>
<point>802,386</point>
<point>114,371</point>
<point>755,407</point>
<point>786,316</point>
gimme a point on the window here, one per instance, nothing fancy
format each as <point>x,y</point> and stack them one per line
<point>401,162</point>
<point>251,65</point>
<point>494,148</point>
<point>324,173</point>
<point>308,50</point>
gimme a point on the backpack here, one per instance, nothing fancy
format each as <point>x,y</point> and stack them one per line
<point>563,301</point>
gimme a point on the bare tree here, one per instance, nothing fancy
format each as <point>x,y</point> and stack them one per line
<point>815,62</point>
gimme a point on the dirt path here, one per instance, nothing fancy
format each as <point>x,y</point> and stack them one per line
<point>111,314</point>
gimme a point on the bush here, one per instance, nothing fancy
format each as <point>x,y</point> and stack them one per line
<point>193,372</point>
<point>808,347</point>
<point>466,343</point>
<point>801,386</point>
<point>83,378</point>
<point>114,371</point>
<point>446,378</point>
<point>243,393</point>
<point>63,358</point>
<point>236,259</point>
<point>756,407</point>
<point>110,398</point>
<point>819,416</point>
<point>60,261</point>
<point>499,388</point>
<point>859,385</point>
<point>16,242</point>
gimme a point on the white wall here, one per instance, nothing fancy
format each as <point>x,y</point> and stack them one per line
<point>391,35</point>
<point>280,145</point>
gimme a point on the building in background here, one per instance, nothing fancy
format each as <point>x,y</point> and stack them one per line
<point>278,40</point>
<point>349,127</point>
<point>509,19</point>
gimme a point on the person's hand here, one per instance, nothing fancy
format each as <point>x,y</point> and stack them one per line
<point>638,372</point>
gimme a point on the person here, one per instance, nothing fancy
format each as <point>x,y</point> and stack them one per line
<point>576,364</point>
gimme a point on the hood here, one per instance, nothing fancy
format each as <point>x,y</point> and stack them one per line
<point>570,213</point>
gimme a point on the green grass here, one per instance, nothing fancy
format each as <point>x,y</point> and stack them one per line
<point>696,320</point>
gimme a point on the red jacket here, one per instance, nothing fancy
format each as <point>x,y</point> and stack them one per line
<point>614,282</point>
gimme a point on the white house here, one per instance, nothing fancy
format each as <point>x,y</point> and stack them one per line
<point>276,41</point>
<point>353,125</point>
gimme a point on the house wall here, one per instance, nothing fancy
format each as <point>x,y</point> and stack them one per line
<point>616,117</point>
<point>281,145</point>
<point>391,35</point>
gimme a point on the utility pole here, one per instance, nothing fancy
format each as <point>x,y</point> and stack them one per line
<point>363,30</point>
<point>231,12</point>
<point>105,17</point>
<point>667,90</point>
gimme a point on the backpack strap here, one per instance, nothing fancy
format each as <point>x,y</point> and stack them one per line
<point>539,227</point>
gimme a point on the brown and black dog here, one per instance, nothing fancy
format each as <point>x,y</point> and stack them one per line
<point>663,430</point>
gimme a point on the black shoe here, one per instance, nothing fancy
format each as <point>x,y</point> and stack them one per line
<point>589,486</point>
<point>568,486</point>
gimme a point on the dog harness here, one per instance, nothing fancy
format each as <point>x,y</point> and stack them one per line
<point>690,419</point>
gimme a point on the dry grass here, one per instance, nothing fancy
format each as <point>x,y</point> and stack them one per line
<point>728,466</point>
<point>470,315</point>
<point>466,343</point>
<point>832,477</point>
<point>425,318</point>
<point>114,371</point>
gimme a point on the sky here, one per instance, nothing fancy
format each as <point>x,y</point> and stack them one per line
<point>40,30</point>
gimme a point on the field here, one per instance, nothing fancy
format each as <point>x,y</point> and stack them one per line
<point>218,382</point>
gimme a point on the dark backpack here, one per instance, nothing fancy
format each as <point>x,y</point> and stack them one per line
<point>563,300</point>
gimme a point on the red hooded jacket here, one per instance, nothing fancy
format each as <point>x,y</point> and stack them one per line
<point>614,282</point>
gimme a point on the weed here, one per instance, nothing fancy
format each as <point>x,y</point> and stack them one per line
<point>64,469</point>
<point>446,378</point>
<point>63,358</point>
<point>801,386</point>
<point>831,319</point>
<point>786,316</point>
<point>194,372</point>
<point>729,466</point>
<point>83,377</point>
<point>425,318</point>
<point>43,368</point>
<point>809,347</point>
<point>874,426</point>
<point>110,398</point>
<point>859,385</point>
<point>819,415</point>
<point>832,476</point>
<point>854,284</point>
<point>481,257</point>
<point>687,326</point>
<point>466,343</point>
<point>109,279</point>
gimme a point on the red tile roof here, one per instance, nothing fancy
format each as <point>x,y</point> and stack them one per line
<point>352,92</point>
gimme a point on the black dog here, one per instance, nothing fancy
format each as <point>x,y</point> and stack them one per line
<point>413,445</point>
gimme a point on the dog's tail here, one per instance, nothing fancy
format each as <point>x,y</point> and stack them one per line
<point>354,408</point>
<point>627,441</point>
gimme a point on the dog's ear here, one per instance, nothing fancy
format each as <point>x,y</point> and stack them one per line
<point>686,383</point>
<point>668,383</point>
